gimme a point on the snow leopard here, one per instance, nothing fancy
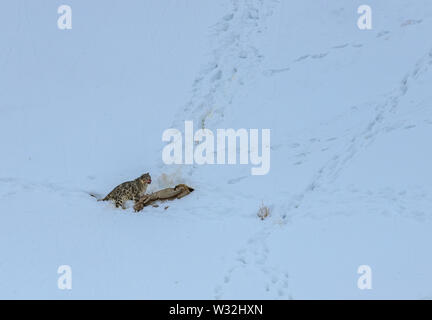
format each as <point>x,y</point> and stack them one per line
<point>130,190</point>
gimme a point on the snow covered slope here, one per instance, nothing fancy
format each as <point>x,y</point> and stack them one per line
<point>350,115</point>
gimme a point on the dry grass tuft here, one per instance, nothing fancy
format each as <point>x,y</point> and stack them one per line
<point>263,212</point>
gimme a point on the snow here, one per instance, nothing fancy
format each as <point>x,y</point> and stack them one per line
<point>349,110</point>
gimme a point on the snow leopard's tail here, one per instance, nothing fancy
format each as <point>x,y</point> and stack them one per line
<point>98,197</point>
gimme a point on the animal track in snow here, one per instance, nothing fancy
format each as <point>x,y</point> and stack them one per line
<point>235,60</point>
<point>385,35</point>
<point>376,125</point>
<point>410,22</point>
<point>254,256</point>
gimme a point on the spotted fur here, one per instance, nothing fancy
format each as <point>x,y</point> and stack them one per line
<point>130,190</point>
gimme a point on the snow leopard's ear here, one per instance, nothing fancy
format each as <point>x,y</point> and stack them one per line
<point>147,177</point>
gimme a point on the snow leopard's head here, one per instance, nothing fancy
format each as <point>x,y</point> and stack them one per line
<point>145,178</point>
